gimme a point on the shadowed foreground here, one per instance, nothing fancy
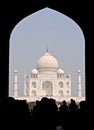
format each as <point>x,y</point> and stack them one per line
<point>45,115</point>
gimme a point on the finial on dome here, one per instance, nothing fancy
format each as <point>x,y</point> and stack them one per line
<point>47,49</point>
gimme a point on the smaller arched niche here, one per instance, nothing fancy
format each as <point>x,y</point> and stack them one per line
<point>34,93</point>
<point>34,84</point>
<point>61,93</point>
<point>61,84</point>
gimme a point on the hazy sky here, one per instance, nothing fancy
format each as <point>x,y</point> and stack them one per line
<point>47,28</point>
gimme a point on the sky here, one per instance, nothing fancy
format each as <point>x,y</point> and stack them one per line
<point>47,28</point>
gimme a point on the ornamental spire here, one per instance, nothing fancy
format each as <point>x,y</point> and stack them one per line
<point>47,49</point>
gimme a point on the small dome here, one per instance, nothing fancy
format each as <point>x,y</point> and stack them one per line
<point>47,61</point>
<point>79,71</point>
<point>34,71</point>
<point>15,71</point>
<point>60,71</point>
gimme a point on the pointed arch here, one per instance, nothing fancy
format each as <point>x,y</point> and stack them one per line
<point>47,88</point>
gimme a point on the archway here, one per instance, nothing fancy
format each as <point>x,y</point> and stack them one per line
<point>61,34</point>
<point>47,88</point>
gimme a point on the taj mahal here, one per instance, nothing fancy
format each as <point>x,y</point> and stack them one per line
<point>47,80</point>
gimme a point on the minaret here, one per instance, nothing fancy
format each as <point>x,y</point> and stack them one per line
<point>15,83</point>
<point>25,93</point>
<point>26,85</point>
<point>79,84</point>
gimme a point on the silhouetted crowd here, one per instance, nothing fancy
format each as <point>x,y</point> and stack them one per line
<point>45,115</point>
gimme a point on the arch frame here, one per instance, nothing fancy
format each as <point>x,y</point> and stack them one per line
<point>16,12</point>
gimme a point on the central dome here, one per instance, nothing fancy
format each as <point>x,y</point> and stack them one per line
<point>47,61</point>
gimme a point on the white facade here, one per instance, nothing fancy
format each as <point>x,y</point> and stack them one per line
<point>48,80</point>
